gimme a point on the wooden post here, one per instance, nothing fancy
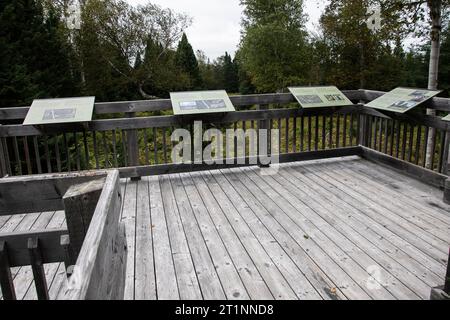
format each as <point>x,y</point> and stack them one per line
<point>132,147</point>
<point>80,202</point>
<point>447,191</point>
<point>70,259</point>
<point>446,154</point>
<point>38,269</point>
<point>364,130</point>
<point>263,125</point>
<point>100,270</point>
<point>447,276</point>
<point>6,281</point>
<point>443,292</point>
<point>3,169</point>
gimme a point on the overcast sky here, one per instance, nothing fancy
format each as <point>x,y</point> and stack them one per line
<point>216,23</point>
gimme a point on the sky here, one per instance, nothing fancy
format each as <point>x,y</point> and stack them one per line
<point>216,23</point>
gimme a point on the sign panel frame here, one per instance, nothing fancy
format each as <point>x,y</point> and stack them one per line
<point>201,102</point>
<point>402,100</point>
<point>320,97</point>
<point>61,110</point>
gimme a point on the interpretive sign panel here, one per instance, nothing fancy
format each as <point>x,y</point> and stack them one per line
<point>53,111</point>
<point>198,102</point>
<point>314,97</point>
<point>402,100</point>
<point>447,118</point>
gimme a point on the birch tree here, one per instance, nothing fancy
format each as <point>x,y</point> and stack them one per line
<point>422,17</point>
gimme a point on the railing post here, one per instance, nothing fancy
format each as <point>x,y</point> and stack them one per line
<point>3,169</point>
<point>443,292</point>
<point>447,276</point>
<point>70,259</point>
<point>446,154</point>
<point>364,129</point>
<point>37,266</point>
<point>132,147</point>
<point>80,202</point>
<point>6,280</point>
<point>263,125</point>
<point>447,191</point>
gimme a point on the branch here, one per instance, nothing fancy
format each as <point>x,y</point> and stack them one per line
<point>144,94</point>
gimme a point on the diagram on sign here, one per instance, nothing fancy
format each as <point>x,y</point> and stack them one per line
<point>402,100</point>
<point>314,97</point>
<point>198,102</point>
<point>54,111</point>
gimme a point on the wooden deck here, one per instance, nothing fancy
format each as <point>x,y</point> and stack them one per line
<point>329,229</point>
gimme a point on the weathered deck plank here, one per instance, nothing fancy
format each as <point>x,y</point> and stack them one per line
<point>175,262</point>
<point>254,283</point>
<point>129,219</point>
<point>324,220</point>
<point>304,233</point>
<point>342,217</point>
<point>360,214</point>
<point>225,268</point>
<point>209,281</point>
<point>409,232</point>
<point>309,281</point>
<point>332,259</point>
<point>326,229</point>
<point>145,288</point>
<point>418,217</point>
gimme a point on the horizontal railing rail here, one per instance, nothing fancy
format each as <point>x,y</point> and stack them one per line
<point>145,140</point>
<point>19,113</point>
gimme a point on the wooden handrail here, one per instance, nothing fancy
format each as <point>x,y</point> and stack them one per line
<point>94,248</point>
<point>242,101</point>
<point>99,272</point>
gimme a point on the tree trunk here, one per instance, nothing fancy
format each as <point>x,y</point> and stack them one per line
<point>436,20</point>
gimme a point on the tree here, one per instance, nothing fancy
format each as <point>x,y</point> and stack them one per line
<point>348,53</point>
<point>158,71</point>
<point>444,67</point>
<point>274,43</point>
<point>113,34</point>
<point>230,74</point>
<point>186,60</point>
<point>34,54</point>
<point>430,12</point>
<point>245,82</point>
<point>211,72</point>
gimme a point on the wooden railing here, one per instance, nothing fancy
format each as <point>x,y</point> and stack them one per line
<point>137,138</point>
<point>92,247</point>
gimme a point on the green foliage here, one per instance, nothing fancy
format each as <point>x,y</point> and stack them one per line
<point>230,74</point>
<point>125,52</point>
<point>112,42</point>
<point>158,73</point>
<point>221,74</point>
<point>444,68</point>
<point>34,56</point>
<point>186,60</point>
<point>274,47</point>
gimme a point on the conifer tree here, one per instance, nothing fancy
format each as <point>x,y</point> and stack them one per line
<point>34,54</point>
<point>230,74</point>
<point>186,60</point>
